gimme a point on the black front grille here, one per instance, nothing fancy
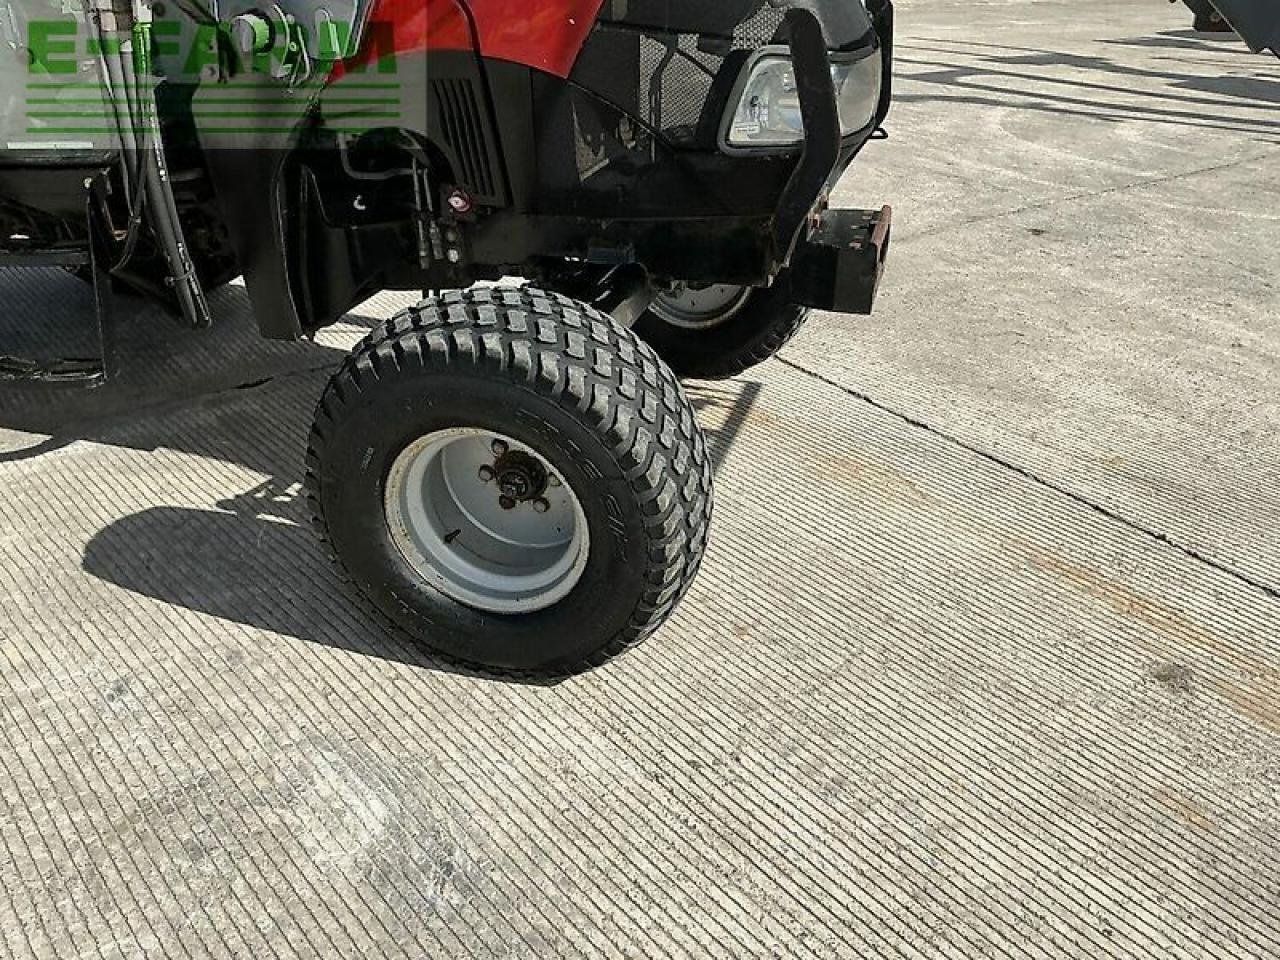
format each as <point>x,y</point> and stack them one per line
<point>761,29</point>
<point>676,81</point>
<point>672,65</point>
<point>678,71</point>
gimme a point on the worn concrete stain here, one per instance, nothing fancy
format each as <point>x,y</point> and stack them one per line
<point>1257,697</point>
<point>1185,809</point>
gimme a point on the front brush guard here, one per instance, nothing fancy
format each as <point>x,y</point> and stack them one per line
<point>822,141</point>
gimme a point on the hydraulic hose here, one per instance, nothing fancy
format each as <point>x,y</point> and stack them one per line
<point>120,113</point>
<point>164,220</point>
<point>127,60</point>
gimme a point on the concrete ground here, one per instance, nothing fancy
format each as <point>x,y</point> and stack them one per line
<point>985,660</point>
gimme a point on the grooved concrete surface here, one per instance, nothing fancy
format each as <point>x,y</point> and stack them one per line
<point>984,660</point>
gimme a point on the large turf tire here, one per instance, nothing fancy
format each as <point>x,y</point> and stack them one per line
<point>749,334</point>
<point>579,390</point>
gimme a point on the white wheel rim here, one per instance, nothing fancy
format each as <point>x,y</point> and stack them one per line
<point>701,308</point>
<point>451,526</point>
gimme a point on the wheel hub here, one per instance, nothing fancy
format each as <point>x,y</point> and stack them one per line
<point>521,478</point>
<point>700,308</point>
<point>486,520</point>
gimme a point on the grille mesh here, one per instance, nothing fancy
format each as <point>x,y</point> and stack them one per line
<point>678,71</point>
<point>676,81</point>
<point>761,29</point>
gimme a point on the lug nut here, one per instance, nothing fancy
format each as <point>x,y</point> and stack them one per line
<point>541,505</point>
<point>499,447</point>
<point>553,480</point>
<point>507,503</point>
<point>486,473</point>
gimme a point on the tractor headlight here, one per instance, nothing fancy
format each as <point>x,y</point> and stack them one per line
<point>766,112</point>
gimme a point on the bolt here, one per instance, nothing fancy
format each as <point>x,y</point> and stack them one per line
<point>514,486</point>
<point>541,506</point>
<point>460,202</point>
<point>507,503</point>
<point>486,473</point>
<point>499,447</point>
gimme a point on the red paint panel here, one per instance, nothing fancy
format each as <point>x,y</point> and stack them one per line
<point>400,26</point>
<point>546,34</point>
<point>549,36</point>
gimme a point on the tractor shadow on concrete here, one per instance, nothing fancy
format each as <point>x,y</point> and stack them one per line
<point>254,559</point>
<point>225,397</point>
<point>160,365</point>
<point>1195,93</point>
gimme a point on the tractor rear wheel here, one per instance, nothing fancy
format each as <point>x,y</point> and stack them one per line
<point>719,331</point>
<point>512,477</point>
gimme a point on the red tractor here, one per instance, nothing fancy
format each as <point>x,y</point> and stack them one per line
<point>510,470</point>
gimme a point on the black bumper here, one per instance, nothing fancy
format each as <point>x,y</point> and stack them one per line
<point>839,265</point>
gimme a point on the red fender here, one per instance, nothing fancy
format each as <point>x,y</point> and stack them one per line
<point>547,37</point>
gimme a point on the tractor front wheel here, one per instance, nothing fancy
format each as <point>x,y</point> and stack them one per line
<point>719,331</point>
<point>512,477</point>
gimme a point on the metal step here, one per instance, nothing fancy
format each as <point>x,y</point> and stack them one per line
<point>23,257</point>
<point>52,373</point>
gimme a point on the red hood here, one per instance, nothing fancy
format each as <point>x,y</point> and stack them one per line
<point>547,37</point>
